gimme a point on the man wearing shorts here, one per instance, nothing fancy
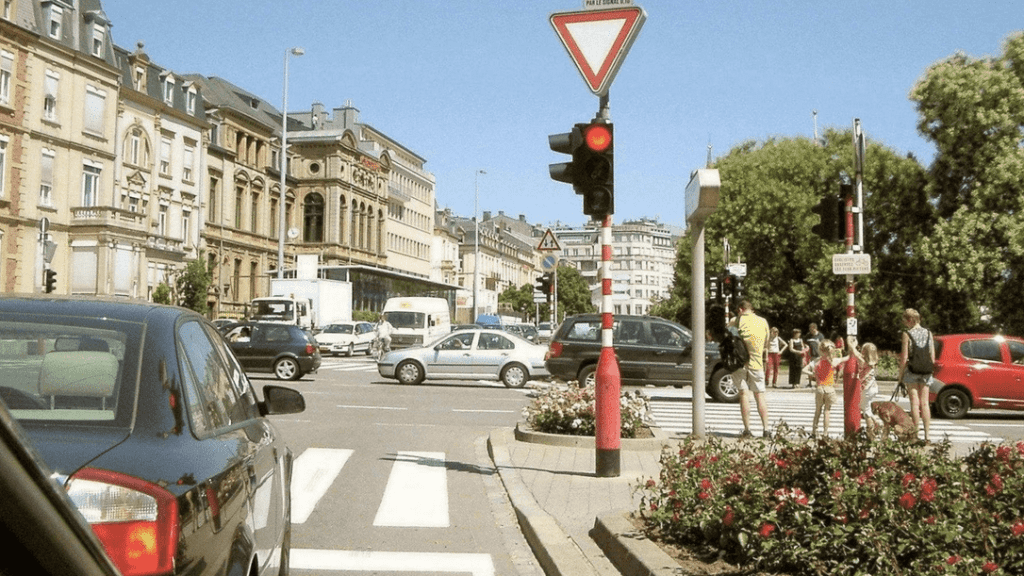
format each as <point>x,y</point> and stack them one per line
<point>753,330</point>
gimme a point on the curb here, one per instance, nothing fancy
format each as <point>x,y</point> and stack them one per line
<point>629,550</point>
<point>660,440</point>
<point>556,552</point>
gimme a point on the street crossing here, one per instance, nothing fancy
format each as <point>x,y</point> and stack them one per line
<point>673,413</point>
<point>415,496</point>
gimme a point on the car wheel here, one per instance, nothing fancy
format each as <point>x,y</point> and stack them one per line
<point>287,369</point>
<point>409,372</point>
<point>514,376</point>
<point>723,388</point>
<point>952,403</point>
<point>588,376</point>
<point>351,350</point>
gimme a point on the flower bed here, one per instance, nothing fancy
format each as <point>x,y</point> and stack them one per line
<point>570,410</point>
<point>843,506</point>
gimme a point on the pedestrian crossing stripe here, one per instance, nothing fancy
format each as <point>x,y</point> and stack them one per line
<point>379,561</point>
<point>675,417</point>
<point>416,493</point>
<point>313,472</point>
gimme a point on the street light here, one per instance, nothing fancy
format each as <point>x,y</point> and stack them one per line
<point>476,239</point>
<point>284,163</point>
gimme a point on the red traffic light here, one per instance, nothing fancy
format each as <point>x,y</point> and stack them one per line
<point>598,137</point>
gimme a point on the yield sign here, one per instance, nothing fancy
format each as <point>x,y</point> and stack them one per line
<point>598,40</point>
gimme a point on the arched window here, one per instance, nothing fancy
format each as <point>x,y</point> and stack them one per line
<point>313,218</point>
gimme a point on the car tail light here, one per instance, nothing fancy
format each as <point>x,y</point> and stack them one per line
<point>310,349</point>
<point>136,521</point>
<point>554,350</point>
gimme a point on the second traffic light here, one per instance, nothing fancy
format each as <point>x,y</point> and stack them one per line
<point>49,280</point>
<point>591,171</point>
<point>543,284</point>
<point>831,212</point>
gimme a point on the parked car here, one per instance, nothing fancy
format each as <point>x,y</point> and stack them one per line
<point>544,331</point>
<point>288,352</point>
<point>977,371</point>
<point>345,338</point>
<point>153,429</point>
<point>477,354</point>
<point>650,350</point>
<point>524,331</point>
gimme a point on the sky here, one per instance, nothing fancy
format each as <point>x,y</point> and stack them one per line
<point>479,85</point>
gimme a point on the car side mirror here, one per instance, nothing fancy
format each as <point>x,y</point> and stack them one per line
<point>281,400</point>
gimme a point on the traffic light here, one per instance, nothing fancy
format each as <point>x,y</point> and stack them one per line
<point>543,284</point>
<point>591,171</point>
<point>728,285</point>
<point>831,214</point>
<point>49,280</point>
<point>737,287</point>
<point>715,289</point>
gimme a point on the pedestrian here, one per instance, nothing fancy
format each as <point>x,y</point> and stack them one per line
<point>814,340</point>
<point>383,333</point>
<point>867,361</point>
<point>797,355</point>
<point>776,348</point>
<point>823,373</point>
<point>917,340</point>
<point>753,330</point>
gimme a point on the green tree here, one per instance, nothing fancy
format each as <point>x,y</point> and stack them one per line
<point>192,286</point>
<point>573,293</point>
<point>162,294</point>
<point>519,299</point>
<point>973,110</point>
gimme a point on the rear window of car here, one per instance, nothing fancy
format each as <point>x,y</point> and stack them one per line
<point>987,349</point>
<point>1016,351</point>
<point>69,369</point>
<point>584,331</point>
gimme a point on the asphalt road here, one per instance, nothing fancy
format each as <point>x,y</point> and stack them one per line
<point>393,479</point>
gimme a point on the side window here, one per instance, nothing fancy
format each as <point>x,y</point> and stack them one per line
<point>586,331</point>
<point>1016,351</point>
<point>276,334</point>
<point>216,389</point>
<point>494,342</point>
<point>458,342</point>
<point>667,335</point>
<point>632,332</point>
<point>982,350</point>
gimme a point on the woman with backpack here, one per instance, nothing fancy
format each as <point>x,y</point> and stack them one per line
<point>917,362</point>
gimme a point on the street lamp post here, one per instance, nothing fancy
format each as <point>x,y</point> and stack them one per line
<point>476,240</point>
<point>284,164</point>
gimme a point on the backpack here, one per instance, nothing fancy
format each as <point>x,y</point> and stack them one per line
<point>734,352</point>
<point>920,358</point>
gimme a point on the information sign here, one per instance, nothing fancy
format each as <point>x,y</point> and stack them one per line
<point>843,264</point>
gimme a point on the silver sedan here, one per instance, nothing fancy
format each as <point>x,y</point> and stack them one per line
<point>468,355</point>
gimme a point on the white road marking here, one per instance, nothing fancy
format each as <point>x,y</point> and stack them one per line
<point>371,407</point>
<point>486,411</point>
<point>377,561</point>
<point>312,474</point>
<point>416,493</point>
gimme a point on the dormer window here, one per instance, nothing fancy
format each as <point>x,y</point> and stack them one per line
<point>140,79</point>
<point>56,20</point>
<point>99,34</point>
<point>169,89</point>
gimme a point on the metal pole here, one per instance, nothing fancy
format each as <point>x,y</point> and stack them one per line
<point>851,384</point>
<point>476,240</point>
<point>698,321</point>
<point>284,164</point>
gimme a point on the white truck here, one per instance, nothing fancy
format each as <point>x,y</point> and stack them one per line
<point>309,303</point>
<point>417,320</point>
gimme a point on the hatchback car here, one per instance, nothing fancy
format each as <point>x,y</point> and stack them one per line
<point>468,355</point>
<point>977,371</point>
<point>154,431</point>
<point>345,338</point>
<point>288,352</point>
<point>650,350</point>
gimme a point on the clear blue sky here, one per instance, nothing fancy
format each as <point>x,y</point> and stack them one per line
<point>480,84</point>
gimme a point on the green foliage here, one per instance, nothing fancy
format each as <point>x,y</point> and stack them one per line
<point>843,506</point>
<point>162,294</point>
<point>520,299</point>
<point>365,316</point>
<point>573,293</point>
<point>192,286</point>
<point>570,410</point>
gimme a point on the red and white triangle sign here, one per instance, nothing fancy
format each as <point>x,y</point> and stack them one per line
<point>598,40</point>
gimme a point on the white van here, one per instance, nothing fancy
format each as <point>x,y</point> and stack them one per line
<point>417,320</point>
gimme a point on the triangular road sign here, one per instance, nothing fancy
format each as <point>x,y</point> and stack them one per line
<point>598,40</point>
<point>548,242</point>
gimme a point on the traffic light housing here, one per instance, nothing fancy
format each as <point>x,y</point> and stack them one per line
<point>543,284</point>
<point>831,219</point>
<point>715,289</point>
<point>728,285</point>
<point>49,280</point>
<point>591,171</point>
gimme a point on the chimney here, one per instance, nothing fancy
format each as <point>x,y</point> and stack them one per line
<point>487,215</point>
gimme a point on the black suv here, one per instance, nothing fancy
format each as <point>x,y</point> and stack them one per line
<point>650,351</point>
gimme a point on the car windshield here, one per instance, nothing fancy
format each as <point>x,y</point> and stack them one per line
<point>338,329</point>
<point>407,319</point>
<point>69,369</point>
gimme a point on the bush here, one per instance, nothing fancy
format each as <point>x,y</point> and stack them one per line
<point>570,410</point>
<point>834,506</point>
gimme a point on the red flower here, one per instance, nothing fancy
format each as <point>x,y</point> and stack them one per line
<point>997,481</point>
<point>654,506</point>
<point>838,475</point>
<point>766,529</point>
<point>1003,452</point>
<point>907,501</point>
<point>729,517</point>
<point>864,513</point>
<point>705,484</point>
<point>953,559</point>
<point>907,480</point>
<point>990,567</point>
<point>929,520</point>
<point>1018,528</point>
<point>651,483</point>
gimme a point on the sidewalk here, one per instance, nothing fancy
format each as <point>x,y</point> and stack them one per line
<point>564,510</point>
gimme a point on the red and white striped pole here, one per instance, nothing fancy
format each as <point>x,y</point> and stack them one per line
<point>853,201</point>
<point>608,418</point>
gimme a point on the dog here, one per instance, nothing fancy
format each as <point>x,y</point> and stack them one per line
<point>894,419</point>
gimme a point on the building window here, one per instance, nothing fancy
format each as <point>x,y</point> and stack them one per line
<point>95,107</point>
<point>188,164</point>
<point>254,212</point>
<point>239,196</point>
<point>56,19</point>
<point>98,34</point>
<point>273,218</point>
<point>90,184</point>
<point>133,204</point>
<point>169,89</point>
<point>140,79</point>
<point>46,178</point>
<point>190,101</point>
<point>161,221</point>
<point>6,73</point>
<point>214,193</point>
<point>50,86</point>
<point>165,156</point>
<point>313,219</point>
<point>3,166</point>
<point>186,225</point>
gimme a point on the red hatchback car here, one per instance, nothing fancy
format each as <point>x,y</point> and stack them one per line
<point>977,371</point>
